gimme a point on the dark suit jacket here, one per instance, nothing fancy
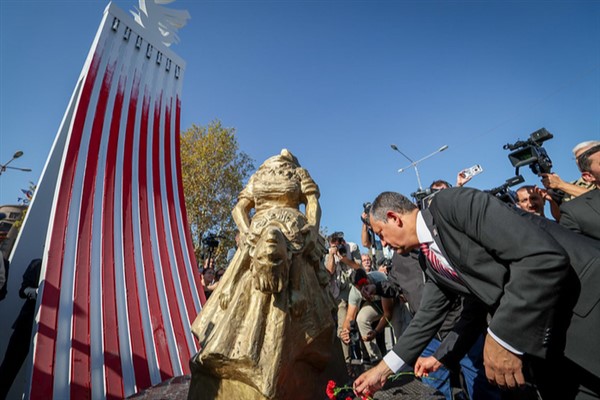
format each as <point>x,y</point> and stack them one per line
<point>407,278</point>
<point>582,214</point>
<point>514,266</point>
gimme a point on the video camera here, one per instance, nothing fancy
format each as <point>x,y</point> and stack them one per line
<point>366,210</point>
<point>355,344</point>
<point>423,197</point>
<point>504,193</point>
<point>387,263</point>
<point>526,152</point>
<point>210,242</point>
<point>530,152</point>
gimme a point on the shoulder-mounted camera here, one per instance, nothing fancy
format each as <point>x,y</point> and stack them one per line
<point>530,152</point>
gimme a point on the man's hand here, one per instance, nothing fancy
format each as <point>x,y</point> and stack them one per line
<point>368,291</point>
<point>372,380</point>
<point>502,367</point>
<point>31,293</point>
<point>542,193</point>
<point>425,365</point>
<point>551,181</point>
<point>370,336</point>
<point>461,180</point>
<point>345,335</point>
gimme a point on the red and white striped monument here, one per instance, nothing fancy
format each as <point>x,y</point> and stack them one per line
<point>119,288</point>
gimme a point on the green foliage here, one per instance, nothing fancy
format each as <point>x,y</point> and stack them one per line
<point>214,172</point>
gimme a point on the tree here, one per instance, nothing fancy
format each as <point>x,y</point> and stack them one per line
<point>214,173</point>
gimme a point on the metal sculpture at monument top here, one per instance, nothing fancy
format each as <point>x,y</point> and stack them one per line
<point>266,331</point>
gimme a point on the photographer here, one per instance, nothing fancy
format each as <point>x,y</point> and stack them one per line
<point>340,261</point>
<point>366,312</point>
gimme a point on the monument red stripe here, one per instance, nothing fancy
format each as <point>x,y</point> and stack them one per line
<point>43,367</point>
<point>112,357</point>
<point>160,339</point>
<point>183,277</point>
<point>140,357</point>
<point>186,226</point>
<point>165,264</point>
<point>80,340</point>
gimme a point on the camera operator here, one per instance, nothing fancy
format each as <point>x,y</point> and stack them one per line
<point>340,261</point>
<point>577,187</point>
<point>208,281</point>
<point>582,213</point>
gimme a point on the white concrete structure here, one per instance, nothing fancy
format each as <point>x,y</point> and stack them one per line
<point>119,289</point>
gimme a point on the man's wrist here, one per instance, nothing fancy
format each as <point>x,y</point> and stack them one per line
<point>504,344</point>
<point>393,362</point>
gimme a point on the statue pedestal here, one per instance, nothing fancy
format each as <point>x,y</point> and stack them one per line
<point>206,387</point>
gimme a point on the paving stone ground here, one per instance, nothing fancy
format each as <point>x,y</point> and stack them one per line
<point>406,387</point>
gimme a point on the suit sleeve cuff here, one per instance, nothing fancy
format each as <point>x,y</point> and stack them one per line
<point>393,361</point>
<point>504,344</point>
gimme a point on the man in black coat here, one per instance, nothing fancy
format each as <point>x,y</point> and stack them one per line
<point>529,273</point>
<point>582,214</point>
<point>19,342</point>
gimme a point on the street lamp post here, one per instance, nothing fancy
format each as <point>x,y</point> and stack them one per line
<point>4,167</point>
<point>414,163</point>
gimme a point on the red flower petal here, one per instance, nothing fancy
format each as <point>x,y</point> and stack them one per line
<point>330,390</point>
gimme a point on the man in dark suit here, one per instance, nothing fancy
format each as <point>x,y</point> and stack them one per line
<point>582,214</point>
<point>511,266</point>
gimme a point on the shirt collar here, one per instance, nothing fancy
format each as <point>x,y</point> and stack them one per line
<point>423,233</point>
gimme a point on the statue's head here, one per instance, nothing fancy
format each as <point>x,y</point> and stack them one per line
<point>285,159</point>
<point>271,261</point>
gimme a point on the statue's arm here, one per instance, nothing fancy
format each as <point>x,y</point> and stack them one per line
<point>313,210</point>
<point>241,216</point>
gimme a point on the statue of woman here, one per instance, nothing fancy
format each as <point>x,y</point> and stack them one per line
<point>268,324</point>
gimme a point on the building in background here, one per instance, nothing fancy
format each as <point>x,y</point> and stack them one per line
<point>9,215</point>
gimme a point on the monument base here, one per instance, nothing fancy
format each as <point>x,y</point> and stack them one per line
<point>207,387</point>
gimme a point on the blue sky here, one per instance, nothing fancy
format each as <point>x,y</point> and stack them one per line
<point>336,82</point>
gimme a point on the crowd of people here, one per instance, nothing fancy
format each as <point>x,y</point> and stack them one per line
<point>471,284</point>
<point>477,290</point>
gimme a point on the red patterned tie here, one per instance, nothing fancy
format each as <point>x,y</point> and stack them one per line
<point>437,265</point>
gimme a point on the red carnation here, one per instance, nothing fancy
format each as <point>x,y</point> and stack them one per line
<point>330,390</point>
<point>362,282</point>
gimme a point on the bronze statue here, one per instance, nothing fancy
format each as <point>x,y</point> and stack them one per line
<point>266,331</point>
